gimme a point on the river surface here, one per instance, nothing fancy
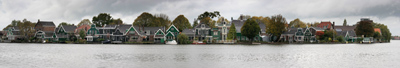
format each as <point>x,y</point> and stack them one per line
<point>380,55</point>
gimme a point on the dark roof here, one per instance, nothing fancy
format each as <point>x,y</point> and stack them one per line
<point>238,24</point>
<point>262,26</point>
<point>110,25</point>
<point>46,23</point>
<point>345,28</point>
<point>123,28</point>
<point>343,33</point>
<point>290,31</point>
<point>188,31</point>
<point>205,25</point>
<point>69,28</point>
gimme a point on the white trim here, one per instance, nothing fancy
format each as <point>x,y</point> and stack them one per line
<point>174,26</point>
<point>171,33</point>
<point>157,32</point>
<point>133,28</point>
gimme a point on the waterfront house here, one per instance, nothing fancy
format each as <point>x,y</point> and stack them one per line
<point>13,33</point>
<point>347,32</point>
<point>119,35</point>
<point>288,36</point>
<point>203,32</point>
<point>220,33</point>
<point>45,30</point>
<point>190,33</point>
<point>92,34</point>
<point>64,32</point>
<point>171,33</point>
<point>106,31</point>
<point>132,34</point>
<point>152,34</point>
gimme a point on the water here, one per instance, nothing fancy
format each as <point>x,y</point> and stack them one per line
<point>384,55</point>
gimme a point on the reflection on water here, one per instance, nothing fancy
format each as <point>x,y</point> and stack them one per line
<point>198,56</point>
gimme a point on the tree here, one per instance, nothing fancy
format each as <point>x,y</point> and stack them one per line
<point>232,32</point>
<point>319,35</point>
<point>183,39</point>
<point>297,23</point>
<point>220,20</point>
<point>64,23</point>
<point>208,21</point>
<point>116,22</point>
<point>364,28</point>
<point>377,35</point>
<point>328,34</point>
<point>26,29</point>
<point>14,22</point>
<point>208,14</point>
<point>206,18</point>
<point>84,21</point>
<point>344,22</point>
<point>386,35</point>
<point>181,22</point>
<point>82,34</point>
<point>102,19</point>
<point>276,26</point>
<point>195,23</point>
<point>147,20</point>
<point>250,29</point>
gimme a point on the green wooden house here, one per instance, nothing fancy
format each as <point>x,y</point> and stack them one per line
<point>172,33</point>
<point>64,33</point>
<point>92,33</point>
<point>159,36</point>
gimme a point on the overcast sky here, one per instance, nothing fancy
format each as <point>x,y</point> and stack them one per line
<point>73,11</point>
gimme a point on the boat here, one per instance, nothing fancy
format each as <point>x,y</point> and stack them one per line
<point>173,42</point>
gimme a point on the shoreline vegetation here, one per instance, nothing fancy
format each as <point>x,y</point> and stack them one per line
<point>159,29</point>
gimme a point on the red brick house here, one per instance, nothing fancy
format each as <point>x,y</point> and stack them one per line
<point>45,26</point>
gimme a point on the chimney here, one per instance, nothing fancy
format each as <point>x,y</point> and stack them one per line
<point>241,17</point>
<point>231,18</point>
<point>333,25</point>
<point>38,20</point>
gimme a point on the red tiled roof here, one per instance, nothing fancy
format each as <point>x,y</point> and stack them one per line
<point>322,24</point>
<point>377,30</point>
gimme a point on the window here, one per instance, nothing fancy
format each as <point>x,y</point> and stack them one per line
<point>224,30</point>
<point>202,25</point>
<point>215,33</point>
<point>131,32</point>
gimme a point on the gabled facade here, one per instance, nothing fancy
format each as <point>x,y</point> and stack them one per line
<point>203,32</point>
<point>174,31</point>
<point>13,33</point>
<point>299,35</point>
<point>133,35</point>
<point>221,33</point>
<point>92,34</point>
<point>348,32</point>
<point>159,36</point>
<point>45,30</point>
<point>63,32</point>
